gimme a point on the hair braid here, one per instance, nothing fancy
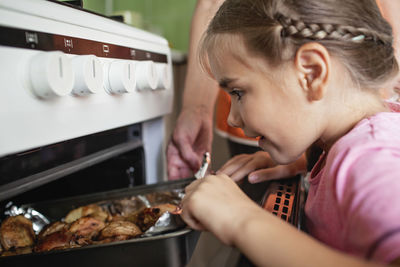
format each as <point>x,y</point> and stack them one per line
<point>323,31</point>
<point>276,29</point>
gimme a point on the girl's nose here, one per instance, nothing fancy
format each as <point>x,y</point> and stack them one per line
<point>234,119</point>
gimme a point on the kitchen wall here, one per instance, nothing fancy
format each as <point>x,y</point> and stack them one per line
<point>169,18</point>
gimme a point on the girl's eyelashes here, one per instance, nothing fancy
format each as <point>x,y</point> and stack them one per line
<point>237,93</point>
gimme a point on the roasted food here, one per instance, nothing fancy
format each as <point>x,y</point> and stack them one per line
<point>120,230</point>
<point>17,251</point>
<point>54,236</point>
<point>16,232</point>
<point>85,229</point>
<point>127,206</point>
<point>56,240</point>
<point>145,218</point>
<point>92,224</point>
<point>166,207</point>
<point>92,210</point>
<point>51,228</point>
<point>60,235</point>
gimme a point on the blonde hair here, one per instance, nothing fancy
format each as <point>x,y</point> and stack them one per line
<point>352,30</point>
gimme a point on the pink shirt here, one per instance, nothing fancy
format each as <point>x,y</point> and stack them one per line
<point>353,202</point>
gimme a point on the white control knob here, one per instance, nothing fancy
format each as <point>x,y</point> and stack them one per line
<point>88,75</point>
<point>146,75</point>
<point>164,78</point>
<point>120,77</point>
<point>51,74</point>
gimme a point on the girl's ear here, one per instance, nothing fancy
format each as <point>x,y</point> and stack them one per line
<point>313,65</point>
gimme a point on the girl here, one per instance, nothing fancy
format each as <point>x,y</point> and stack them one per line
<point>304,72</point>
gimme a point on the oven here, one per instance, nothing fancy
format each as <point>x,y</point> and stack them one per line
<point>82,110</point>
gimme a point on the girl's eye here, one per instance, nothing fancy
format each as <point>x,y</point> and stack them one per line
<point>236,93</point>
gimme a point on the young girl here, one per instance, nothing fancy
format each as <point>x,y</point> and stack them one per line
<point>304,72</point>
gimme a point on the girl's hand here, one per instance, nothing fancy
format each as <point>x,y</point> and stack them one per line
<point>215,203</point>
<point>260,167</point>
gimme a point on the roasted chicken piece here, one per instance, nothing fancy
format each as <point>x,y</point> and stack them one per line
<point>60,235</point>
<point>120,230</point>
<point>85,229</point>
<point>145,218</point>
<point>16,232</point>
<point>92,210</point>
<point>51,228</point>
<point>162,197</point>
<point>171,208</point>
<point>17,251</point>
<point>127,206</point>
<point>60,239</point>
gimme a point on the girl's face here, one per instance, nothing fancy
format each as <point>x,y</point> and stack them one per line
<point>267,102</point>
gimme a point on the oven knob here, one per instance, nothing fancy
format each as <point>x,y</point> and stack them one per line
<point>51,74</point>
<point>88,75</point>
<point>146,75</point>
<point>120,77</point>
<point>164,78</point>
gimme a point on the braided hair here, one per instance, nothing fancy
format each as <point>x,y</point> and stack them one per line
<point>353,31</point>
<point>324,31</point>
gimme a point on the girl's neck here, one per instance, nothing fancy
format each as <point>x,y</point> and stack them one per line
<point>343,119</point>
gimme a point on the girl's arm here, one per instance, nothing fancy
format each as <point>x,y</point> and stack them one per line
<point>215,203</point>
<point>269,241</point>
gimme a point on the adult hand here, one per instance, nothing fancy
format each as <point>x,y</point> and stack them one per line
<point>215,203</point>
<point>260,167</point>
<point>191,138</point>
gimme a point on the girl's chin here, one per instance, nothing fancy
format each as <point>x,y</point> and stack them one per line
<point>277,156</point>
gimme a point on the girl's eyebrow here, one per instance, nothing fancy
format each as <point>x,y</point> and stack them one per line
<point>224,82</point>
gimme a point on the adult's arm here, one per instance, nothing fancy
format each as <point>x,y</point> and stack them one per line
<point>192,135</point>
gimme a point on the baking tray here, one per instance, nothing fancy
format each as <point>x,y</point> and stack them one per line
<point>167,249</point>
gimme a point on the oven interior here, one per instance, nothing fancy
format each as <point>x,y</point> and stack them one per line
<point>94,163</point>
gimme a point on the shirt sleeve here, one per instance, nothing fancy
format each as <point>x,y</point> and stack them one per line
<point>369,200</point>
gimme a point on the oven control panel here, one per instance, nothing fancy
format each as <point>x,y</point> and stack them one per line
<point>67,73</point>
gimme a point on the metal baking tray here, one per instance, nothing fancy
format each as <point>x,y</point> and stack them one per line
<point>168,249</point>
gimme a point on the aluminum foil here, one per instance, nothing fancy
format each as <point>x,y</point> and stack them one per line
<point>38,220</point>
<point>166,223</point>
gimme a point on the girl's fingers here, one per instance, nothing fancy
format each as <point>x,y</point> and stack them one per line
<point>240,166</point>
<point>235,163</point>
<point>280,171</point>
<point>191,221</point>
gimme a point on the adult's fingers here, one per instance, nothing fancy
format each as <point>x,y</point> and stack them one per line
<point>177,168</point>
<point>190,156</point>
<point>184,147</point>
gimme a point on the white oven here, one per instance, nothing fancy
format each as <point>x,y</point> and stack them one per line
<point>68,76</point>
